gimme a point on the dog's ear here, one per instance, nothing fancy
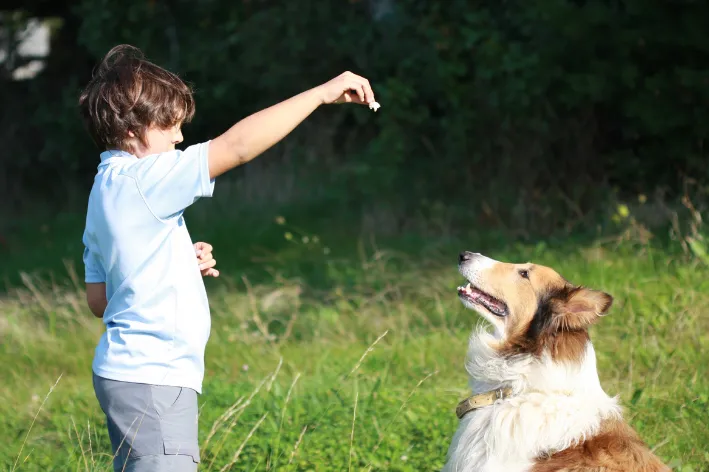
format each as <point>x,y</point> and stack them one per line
<point>579,307</point>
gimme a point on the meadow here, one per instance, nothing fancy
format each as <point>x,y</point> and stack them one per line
<point>335,350</point>
<point>517,129</point>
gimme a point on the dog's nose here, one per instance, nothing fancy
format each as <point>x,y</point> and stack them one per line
<point>465,256</point>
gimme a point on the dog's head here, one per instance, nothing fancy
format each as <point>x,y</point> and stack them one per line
<point>532,308</point>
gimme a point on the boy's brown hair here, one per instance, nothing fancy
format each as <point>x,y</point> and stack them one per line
<point>129,93</point>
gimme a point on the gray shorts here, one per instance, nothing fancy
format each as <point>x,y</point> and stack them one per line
<point>152,427</point>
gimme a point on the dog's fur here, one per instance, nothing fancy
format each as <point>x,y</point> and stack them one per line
<point>558,417</point>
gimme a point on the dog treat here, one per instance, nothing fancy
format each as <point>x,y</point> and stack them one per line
<point>374,106</point>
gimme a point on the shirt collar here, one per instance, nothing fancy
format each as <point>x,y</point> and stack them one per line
<point>112,154</point>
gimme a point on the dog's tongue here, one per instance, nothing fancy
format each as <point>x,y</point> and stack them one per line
<point>494,304</point>
<point>491,303</point>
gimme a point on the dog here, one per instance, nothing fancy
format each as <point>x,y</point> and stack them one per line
<point>537,404</point>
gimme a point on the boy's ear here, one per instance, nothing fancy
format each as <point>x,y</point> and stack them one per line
<point>579,308</point>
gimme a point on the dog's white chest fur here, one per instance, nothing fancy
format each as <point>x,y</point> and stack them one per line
<point>553,407</point>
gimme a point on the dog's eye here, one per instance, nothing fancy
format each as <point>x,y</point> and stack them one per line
<point>524,273</point>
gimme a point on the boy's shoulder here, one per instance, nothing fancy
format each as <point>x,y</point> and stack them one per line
<point>166,182</point>
<point>126,162</point>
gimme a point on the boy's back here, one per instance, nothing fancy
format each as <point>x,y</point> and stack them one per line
<point>136,241</point>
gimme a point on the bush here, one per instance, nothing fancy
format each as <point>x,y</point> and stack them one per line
<point>517,106</point>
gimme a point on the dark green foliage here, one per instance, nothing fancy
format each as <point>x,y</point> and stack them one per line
<point>517,105</point>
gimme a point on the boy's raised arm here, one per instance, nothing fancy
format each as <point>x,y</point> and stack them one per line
<point>256,133</point>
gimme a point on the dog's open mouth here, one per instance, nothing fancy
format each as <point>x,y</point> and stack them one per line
<point>478,297</point>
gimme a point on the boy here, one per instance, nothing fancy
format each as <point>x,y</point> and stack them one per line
<point>142,275</point>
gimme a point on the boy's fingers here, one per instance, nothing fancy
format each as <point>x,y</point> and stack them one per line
<point>357,87</point>
<point>361,94</point>
<point>208,264</point>
<point>352,89</point>
<point>210,273</point>
<point>368,93</point>
<point>367,89</point>
<point>201,247</point>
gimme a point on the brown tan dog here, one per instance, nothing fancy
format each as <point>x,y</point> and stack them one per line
<point>537,403</point>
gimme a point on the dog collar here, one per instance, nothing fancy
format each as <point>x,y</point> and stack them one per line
<point>480,400</point>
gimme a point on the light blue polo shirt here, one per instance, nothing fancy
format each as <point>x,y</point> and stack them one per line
<point>136,241</point>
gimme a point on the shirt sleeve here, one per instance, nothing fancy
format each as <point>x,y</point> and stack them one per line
<point>94,272</point>
<point>171,181</point>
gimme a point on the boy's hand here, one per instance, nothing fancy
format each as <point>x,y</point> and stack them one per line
<point>205,260</point>
<point>347,88</point>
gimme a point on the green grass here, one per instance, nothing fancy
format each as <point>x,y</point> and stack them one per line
<point>344,353</point>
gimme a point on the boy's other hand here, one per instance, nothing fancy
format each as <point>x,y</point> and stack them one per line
<point>347,88</point>
<point>205,259</point>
